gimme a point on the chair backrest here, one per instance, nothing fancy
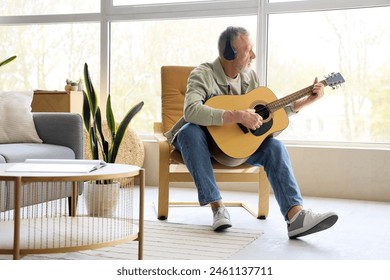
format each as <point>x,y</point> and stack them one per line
<point>173,89</point>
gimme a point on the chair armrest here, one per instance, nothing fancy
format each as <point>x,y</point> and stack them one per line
<point>163,143</point>
<point>65,129</point>
<point>160,137</point>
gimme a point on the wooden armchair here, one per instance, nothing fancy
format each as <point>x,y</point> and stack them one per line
<point>171,165</point>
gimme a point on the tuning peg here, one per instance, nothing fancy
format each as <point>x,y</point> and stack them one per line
<point>336,85</point>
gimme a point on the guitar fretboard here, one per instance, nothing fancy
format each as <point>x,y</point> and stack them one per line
<point>283,102</point>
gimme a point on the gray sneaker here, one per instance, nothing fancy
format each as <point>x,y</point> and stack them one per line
<point>306,222</point>
<point>221,219</point>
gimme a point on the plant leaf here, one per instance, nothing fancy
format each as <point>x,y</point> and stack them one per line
<point>98,122</point>
<point>86,112</point>
<point>110,118</point>
<point>93,143</point>
<point>103,141</point>
<point>122,130</point>
<point>8,60</point>
<point>91,94</point>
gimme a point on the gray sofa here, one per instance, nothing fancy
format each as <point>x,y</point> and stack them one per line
<point>62,135</point>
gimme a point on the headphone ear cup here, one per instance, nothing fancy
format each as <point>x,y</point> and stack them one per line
<point>229,53</point>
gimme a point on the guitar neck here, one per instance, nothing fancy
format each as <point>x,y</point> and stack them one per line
<point>283,102</point>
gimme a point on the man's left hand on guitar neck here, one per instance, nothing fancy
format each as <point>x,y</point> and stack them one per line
<point>318,92</point>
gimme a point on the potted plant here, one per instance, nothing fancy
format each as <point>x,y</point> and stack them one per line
<point>72,85</point>
<point>100,147</point>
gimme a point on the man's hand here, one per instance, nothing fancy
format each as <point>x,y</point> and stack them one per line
<point>318,90</point>
<point>249,118</point>
<point>317,93</point>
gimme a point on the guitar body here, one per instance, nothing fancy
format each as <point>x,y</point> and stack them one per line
<point>232,144</point>
<point>236,142</point>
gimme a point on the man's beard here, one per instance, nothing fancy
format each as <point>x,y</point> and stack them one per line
<point>247,68</point>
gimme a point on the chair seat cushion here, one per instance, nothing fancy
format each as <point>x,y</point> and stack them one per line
<point>19,152</point>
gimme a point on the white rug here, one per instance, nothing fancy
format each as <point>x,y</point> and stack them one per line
<point>168,241</point>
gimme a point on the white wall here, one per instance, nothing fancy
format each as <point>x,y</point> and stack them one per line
<point>342,172</point>
<point>338,172</point>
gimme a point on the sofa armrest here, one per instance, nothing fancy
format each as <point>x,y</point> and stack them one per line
<point>65,129</point>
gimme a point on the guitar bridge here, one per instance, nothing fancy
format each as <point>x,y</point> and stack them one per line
<point>243,128</point>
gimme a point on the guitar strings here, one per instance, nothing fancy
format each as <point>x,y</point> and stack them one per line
<point>265,110</point>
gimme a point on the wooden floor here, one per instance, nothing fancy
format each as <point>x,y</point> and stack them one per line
<point>361,233</point>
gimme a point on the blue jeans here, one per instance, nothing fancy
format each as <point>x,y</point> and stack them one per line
<point>191,141</point>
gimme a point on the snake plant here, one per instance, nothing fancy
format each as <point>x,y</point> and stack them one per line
<point>93,122</point>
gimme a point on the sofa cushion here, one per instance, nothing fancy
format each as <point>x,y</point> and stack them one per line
<point>16,120</point>
<point>19,152</point>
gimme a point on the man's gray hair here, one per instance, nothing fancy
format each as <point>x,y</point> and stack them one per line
<point>235,32</point>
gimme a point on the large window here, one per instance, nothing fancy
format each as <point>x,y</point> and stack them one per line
<point>352,42</point>
<point>126,42</point>
<point>47,54</point>
<point>140,48</point>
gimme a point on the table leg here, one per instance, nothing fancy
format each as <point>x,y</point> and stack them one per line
<point>18,186</point>
<point>75,191</point>
<point>141,213</point>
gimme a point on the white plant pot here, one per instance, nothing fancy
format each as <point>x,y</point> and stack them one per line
<point>101,200</point>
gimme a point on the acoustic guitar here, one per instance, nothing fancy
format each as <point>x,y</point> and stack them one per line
<point>232,144</point>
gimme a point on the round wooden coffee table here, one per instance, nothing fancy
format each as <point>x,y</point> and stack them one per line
<point>100,216</point>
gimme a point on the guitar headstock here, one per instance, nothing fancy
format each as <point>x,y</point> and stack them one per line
<point>334,80</point>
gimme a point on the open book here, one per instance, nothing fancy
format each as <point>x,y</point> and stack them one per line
<point>57,165</point>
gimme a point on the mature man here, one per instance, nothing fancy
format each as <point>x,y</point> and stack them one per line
<point>230,74</point>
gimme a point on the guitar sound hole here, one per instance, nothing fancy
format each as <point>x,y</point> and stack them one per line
<point>267,120</point>
<point>262,111</point>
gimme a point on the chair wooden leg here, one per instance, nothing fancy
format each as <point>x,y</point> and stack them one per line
<point>264,190</point>
<point>163,185</point>
<point>163,199</point>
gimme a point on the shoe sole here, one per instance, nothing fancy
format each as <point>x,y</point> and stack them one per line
<point>222,227</point>
<point>323,225</point>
